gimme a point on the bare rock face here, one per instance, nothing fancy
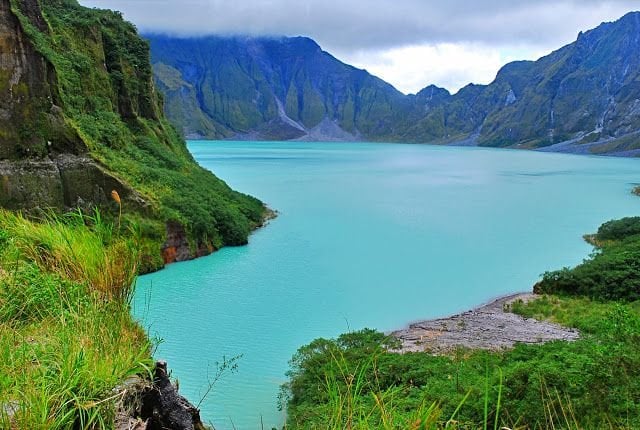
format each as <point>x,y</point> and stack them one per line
<point>64,181</point>
<point>176,247</point>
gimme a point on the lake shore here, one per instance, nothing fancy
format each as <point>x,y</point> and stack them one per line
<point>490,326</point>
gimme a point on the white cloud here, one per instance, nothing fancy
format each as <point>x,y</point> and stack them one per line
<point>362,24</point>
<point>409,43</point>
<point>447,65</point>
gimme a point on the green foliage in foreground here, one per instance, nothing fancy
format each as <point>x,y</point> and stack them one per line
<point>354,382</point>
<point>66,335</point>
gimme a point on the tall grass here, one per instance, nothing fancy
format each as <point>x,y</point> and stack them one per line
<point>355,382</point>
<point>79,248</point>
<point>67,340</point>
<point>354,403</point>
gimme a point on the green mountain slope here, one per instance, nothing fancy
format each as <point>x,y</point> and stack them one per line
<point>583,97</point>
<point>80,117</point>
<point>270,88</point>
<point>586,91</point>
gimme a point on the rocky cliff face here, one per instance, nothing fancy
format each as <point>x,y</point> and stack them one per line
<point>583,93</point>
<point>80,118</point>
<point>584,97</point>
<point>43,161</point>
<point>63,181</point>
<point>28,94</point>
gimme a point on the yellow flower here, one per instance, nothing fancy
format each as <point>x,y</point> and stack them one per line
<point>115,196</point>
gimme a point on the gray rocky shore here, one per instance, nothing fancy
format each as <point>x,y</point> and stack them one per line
<point>490,326</point>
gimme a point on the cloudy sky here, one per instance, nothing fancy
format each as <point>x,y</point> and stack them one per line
<point>409,43</point>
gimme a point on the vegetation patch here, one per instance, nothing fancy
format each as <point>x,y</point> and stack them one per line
<point>612,272</point>
<point>67,339</point>
<point>354,381</point>
<point>106,91</point>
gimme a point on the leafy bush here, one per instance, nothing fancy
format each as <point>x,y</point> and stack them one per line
<point>611,274</point>
<point>619,229</point>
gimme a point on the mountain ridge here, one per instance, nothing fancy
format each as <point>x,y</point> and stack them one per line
<point>254,92</point>
<point>582,97</point>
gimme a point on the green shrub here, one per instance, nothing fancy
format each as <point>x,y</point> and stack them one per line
<point>619,229</point>
<point>611,274</point>
<point>590,383</point>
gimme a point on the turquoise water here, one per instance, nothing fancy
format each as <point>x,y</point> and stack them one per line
<point>369,235</point>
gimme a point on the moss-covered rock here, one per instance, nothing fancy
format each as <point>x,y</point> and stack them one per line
<point>80,117</point>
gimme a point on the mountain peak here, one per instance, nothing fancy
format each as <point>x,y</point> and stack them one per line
<point>268,88</point>
<point>303,42</point>
<point>630,16</point>
<point>431,92</point>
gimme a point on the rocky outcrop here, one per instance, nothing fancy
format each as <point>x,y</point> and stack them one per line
<point>62,182</point>
<point>44,164</point>
<point>177,248</point>
<point>155,405</point>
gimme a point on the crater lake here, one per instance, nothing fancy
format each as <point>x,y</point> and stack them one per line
<point>367,235</point>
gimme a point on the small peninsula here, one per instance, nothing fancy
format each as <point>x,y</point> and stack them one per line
<point>483,367</point>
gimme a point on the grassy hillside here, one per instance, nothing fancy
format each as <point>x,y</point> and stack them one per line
<point>105,91</point>
<point>67,339</point>
<point>83,127</point>
<point>354,382</point>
